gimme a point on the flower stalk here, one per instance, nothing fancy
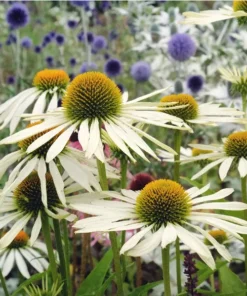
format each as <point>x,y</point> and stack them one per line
<point>166,270</point>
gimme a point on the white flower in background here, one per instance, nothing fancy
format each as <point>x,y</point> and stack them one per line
<point>24,204</point>
<point>73,163</point>
<point>20,253</point>
<point>163,211</point>
<point>93,101</point>
<point>205,113</point>
<point>206,17</point>
<point>49,86</point>
<point>232,151</point>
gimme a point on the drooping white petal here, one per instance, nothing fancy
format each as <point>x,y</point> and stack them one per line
<point>31,259</point>
<point>132,242</point>
<point>156,92</point>
<point>199,191</point>
<point>58,181</point>
<point>207,168</point>
<point>6,219</point>
<point>148,244</point>
<point>42,177</point>
<point>169,235</point>
<point>242,167</point>
<point>94,138</point>
<point>21,264</point>
<point>9,263</point>
<point>8,160</point>
<point>224,167</point>
<point>216,196</point>
<point>36,229</point>
<point>39,106</point>
<point>83,134</point>
<point>53,102</point>
<point>195,245</point>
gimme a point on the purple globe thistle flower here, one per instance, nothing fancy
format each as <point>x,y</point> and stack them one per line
<point>139,181</point>
<point>195,83</point>
<point>10,80</point>
<point>85,67</point>
<point>113,35</point>
<point>60,39</point>
<point>140,71</point>
<point>26,42</point>
<point>49,60</point>
<point>8,42</point>
<point>105,5</point>
<point>106,56</point>
<point>72,62</point>
<point>99,43</point>
<point>72,24</point>
<point>90,37</point>
<point>181,47</point>
<point>47,39</point>
<point>113,67</point>
<point>17,15</point>
<point>52,34</point>
<point>80,3</point>
<point>37,49</point>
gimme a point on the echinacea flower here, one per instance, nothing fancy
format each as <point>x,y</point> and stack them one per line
<point>206,113</point>
<point>70,161</point>
<point>162,211</point>
<point>19,253</point>
<point>48,84</point>
<point>24,204</point>
<point>238,79</point>
<point>93,101</point>
<point>206,17</point>
<point>233,151</point>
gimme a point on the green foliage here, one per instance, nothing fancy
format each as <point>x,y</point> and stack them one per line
<point>143,290</point>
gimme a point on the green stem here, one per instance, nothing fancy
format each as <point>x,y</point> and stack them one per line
<point>2,279</point>
<point>46,232</point>
<point>244,199</point>
<point>59,244</point>
<point>113,235</point>
<point>177,140</point>
<point>212,283</point>
<point>67,253</point>
<point>166,270</point>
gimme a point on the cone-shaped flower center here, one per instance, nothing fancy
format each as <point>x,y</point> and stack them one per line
<point>186,113</point>
<point>92,95</point>
<point>163,201</point>
<point>28,194</point>
<point>239,5</point>
<point>236,145</point>
<point>20,240</point>
<point>49,78</point>
<point>219,235</point>
<point>42,150</point>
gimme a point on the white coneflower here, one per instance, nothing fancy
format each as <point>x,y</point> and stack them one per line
<point>163,211</point>
<point>238,79</point>
<point>73,162</point>
<point>93,101</point>
<point>206,17</point>
<point>24,204</point>
<point>19,253</point>
<point>206,113</point>
<point>49,86</point>
<point>232,151</point>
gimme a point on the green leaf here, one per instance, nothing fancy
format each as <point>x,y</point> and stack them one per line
<point>143,290</point>
<point>101,291</point>
<point>34,278</point>
<point>230,282</point>
<point>204,271</point>
<point>95,279</point>
<point>206,292</point>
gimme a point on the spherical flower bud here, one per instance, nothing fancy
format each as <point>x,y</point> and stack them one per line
<point>139,181</point>
<point>72,24</point>
<point>99,43</point>
<point>26,42</point>
<point>72,62</point>
<point>141,71</point>
<point>113,67</point>
<point>60,39</point>
<point>10,80</point>
<point>17,16</point>
<point>37,49</point>
<point>181,47</point>
<point>195,83</point>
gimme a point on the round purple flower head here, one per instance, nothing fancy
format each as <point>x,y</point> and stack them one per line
<point>49,60</point>
<point>99,43</point>
<point>10,80</point>
<point>72,24</point>
<point>52,34</point>
<point>181,47</point>
<point>141,71</point>
<point>113,67</point>
<point>72,62</point>
<point>37,49</point>
<point>17,16</point>
<point>26,42</point>
<point>47,39</point>
<point>85,67</point>
<point>195,83</point>
<point>60,39</point>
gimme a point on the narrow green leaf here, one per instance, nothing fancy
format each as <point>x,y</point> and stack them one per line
<point>34,278</point>
<point>206,292</point>
<point>143,290</point>
<point>106,284</point>
<point>95,279</point>
<point>204,271</point>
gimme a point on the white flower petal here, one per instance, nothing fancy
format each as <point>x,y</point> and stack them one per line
<point>242,167</point>
<point>36,229</point>
<point>58,181</point>
<point>42,177</point>
<point>9,263</point>
<point>207,168</point>
<point>224,167</point>
<point>21,264</point>
<point>216,196</point>
<point>230,206</point>
<point>169,235</point>
<point>83,134</point>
